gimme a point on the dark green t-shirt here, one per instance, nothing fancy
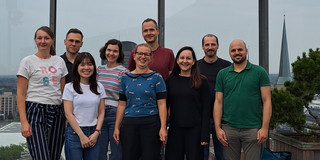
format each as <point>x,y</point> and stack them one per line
<point>242,103</point>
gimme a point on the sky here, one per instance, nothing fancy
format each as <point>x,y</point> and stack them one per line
<point>186,22</point>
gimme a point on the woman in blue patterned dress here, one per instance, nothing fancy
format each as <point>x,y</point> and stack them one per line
<point>141,113</point>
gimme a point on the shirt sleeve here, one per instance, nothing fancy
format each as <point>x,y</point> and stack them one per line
<point>160,87</point>
<point>101,91</point>
<point>167,81</point>
<point>264,78</point>
<point>64,68</point>
<point>123,71</point>
<point>24,69</point>
<point>122,95</point>
<point>219,83</point>
<point>68,92</point>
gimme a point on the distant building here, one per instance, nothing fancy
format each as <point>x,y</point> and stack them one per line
<point>284,69</point>
<point>8,106</point>
<point>127,47</point>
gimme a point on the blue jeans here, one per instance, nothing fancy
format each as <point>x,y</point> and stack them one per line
<point>73,148</point>
<point>107,136</point>
<point>217,146</point>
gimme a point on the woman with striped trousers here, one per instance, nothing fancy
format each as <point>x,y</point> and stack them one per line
<point>41,79</point>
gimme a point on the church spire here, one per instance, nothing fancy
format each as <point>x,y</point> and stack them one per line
<point>284,69</point>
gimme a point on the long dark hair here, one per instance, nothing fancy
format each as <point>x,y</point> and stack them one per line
<point>76,77</point>
<point>196,77</point>
<point>51,34</point>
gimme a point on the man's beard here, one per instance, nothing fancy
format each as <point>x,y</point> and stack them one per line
<point>241,60</point>
<point>210,55</point>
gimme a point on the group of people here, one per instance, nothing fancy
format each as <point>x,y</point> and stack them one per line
<point>158,100</point>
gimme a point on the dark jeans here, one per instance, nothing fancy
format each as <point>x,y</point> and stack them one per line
<point>217,146</point>
<point>140,138</point>
<point>107,136</point>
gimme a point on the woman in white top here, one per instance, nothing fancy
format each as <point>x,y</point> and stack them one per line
<point>84,108</point>
<point>41,78</point>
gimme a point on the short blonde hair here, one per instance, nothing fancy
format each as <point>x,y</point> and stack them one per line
<point>145,45</point>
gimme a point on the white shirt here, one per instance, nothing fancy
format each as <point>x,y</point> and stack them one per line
<point>43,78</point>
<point>85,105</point>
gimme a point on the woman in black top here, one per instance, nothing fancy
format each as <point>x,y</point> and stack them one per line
<point>189,108</point>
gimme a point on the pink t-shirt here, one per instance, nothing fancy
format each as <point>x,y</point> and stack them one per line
<point>162,62</point>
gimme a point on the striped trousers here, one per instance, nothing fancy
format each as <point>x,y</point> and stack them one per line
<point>48,126</point>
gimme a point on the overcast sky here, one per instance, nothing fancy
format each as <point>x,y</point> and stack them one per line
<point>187,21</point>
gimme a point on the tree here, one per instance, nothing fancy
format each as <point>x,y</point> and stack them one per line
<point>298,93</point>
<point>285,106</point>
<point>10,152</point>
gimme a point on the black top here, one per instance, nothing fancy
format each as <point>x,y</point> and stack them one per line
<point>189,106</point>
<point>210,70</point>
<point>69,67</point>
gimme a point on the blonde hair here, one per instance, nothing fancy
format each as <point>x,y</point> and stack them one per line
<point>145,45</point>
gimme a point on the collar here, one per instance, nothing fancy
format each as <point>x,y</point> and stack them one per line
<point>156,49</point>
<point>248,67</point>
<point>64,57</point>
<point>212,62</point>
<point>142,75</point>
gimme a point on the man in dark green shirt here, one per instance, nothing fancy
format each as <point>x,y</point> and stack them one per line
<point>242,108</point>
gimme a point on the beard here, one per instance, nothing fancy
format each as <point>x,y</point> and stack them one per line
<point>210,53</point>
<point>239,61</point>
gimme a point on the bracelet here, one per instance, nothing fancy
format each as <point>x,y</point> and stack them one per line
<point>98,130</point>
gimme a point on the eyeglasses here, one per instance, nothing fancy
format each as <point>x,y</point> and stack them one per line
<point>145,54</point>
<point>72,41</point>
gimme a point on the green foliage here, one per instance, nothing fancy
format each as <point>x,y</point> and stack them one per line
<point>306,81</point>
<point>11,152</point>
<point>287,109</point>
<point>288,104</point>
